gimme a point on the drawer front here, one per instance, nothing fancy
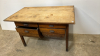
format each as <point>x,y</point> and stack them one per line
<point>52,26</point>
<point>31,35</point>
<point>26,24</point>
<point>56,31</point>
<point>53,35</point>
<point>27,31</point>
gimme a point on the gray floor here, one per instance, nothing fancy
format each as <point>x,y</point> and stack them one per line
<point>79,45</point>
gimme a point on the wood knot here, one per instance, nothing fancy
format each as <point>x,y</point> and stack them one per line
<point>51,14</point>
<point>47,17</point>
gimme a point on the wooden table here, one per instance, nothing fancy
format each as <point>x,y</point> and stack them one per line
<point>43,21</point>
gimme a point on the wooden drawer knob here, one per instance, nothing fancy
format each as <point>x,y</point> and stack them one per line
<point>51,25</point>
<point>52,31</point>
<point>26,31</point>
<point>25,24</point>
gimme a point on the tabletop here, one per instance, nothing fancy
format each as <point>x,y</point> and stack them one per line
<point>50,14</point>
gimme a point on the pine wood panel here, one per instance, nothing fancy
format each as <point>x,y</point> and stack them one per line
<point>55,31</point>
<point>30,35</point>
<point>26,24</point>
<point>52,26</point>
<point>53,35</point>
<point>27,31</point>
<point>52,14</point>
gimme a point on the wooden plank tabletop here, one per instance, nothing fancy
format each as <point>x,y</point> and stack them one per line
<point>52,14</point>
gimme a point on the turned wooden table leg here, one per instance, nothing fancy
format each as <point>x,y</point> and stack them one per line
<point>22,38</point>
<point>67,33</point>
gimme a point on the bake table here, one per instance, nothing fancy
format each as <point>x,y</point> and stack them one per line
<point>51,21</point>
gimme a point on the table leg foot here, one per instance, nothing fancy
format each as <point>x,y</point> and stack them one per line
<point>67,50</point>
<point>25,45</point>
<point>23,41</point>
<point>67,33</point>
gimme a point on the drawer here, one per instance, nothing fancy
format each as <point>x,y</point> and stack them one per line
<point>52,26</point>
<point>56,31</point>
<point>31,35</point>
<point>26,24</point>
<point>53,35</point>
<point>28,31</point>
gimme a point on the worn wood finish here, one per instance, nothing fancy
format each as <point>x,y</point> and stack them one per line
<point>23,41</point>
<point>27,31</point>
<point>53,35</point>
<point>52,14</point>
<point>55,31</point>
<point>30,35</point>
<point>52,21</point>
<point>26,24</point>
<point>52,26</point>
<point>40,33</point>
<point>67,35</point>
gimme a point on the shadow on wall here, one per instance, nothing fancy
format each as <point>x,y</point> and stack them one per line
<point>71,36</point>
<point>85,23</point>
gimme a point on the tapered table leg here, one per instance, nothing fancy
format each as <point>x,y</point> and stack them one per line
<point>67,33</point>
<point>22,38</point>
<point>40,34</point>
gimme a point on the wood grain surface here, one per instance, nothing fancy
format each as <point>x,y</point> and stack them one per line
<point>26,24</point>
<point>55,31</point>
<point>30,35</point>
<point>27,31</point>
<point>52,26</point>
<point>52,14</point>
<point>53,35</point>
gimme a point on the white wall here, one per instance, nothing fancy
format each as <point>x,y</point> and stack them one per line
<point>86,13</point>
<point>0,22</point>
